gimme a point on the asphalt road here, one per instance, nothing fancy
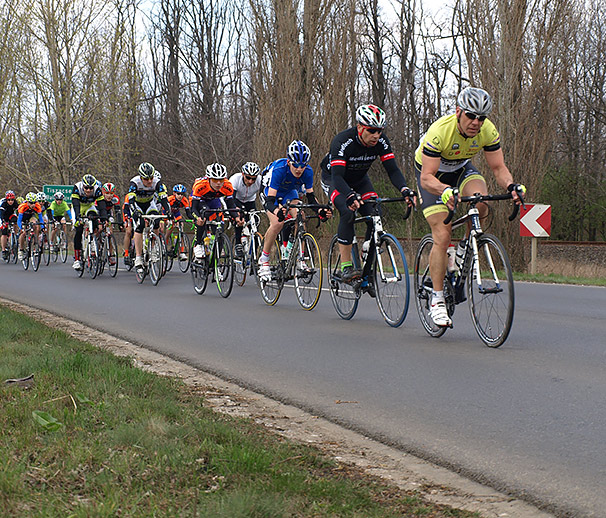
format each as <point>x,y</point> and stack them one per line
<point>528,418</point>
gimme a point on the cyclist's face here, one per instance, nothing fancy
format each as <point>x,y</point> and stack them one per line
<point>178,195</point>
<point>467,126</point>
<point>369,136</point>
<point>108,196</point>
<point>249,180</point>
<point>297,172</point>
<point>216,183</point>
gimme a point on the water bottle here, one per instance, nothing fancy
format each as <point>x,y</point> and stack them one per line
<point>365,247</point>
<point>461,247</point>
<point>286,249</point>
<point>452,265</point>
<point>207,243</point>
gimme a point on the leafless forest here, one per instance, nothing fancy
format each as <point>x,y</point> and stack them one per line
<point>101,86</point>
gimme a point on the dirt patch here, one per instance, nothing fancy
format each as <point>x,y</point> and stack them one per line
<point>405,471</point>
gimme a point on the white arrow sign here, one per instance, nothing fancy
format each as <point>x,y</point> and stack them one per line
<point>529,220</point>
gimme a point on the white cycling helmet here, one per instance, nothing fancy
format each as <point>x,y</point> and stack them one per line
<point>216,171</point>
<point>371,115</point>
<point>251,169</point>
<point>475,100</point>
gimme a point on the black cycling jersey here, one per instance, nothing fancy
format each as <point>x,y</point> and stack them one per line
<point>349,160</point>
<point>7,210</point>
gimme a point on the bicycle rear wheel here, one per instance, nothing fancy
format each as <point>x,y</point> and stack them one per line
<point>344,296</point>
<point>156,259</point>
<point>183,250</point>
<point>199,275</point>
<point>423,287</point>
<point>308,271</point>
<point>111,251</point>
<point>490,292</point>
<point>239,265</point>
<point>224,265</point>
<point>392,281</point>
<point>271,289</point>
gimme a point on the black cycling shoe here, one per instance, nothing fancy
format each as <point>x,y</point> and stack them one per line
<point>370,289</point>
<point>350,273</point>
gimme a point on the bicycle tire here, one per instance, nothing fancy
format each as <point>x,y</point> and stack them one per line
<point>55,248</point>
<point>27,255</point>
<point>224,265</point>
<point>345,297</point>
<point>257,248</point>
<point>492,303</point>
<point>14,248</point>
<point>45,249</point>
<point>36,253</point>
<point>164,252</point>
<point>393,283</point>
<point>308,271</point>
<point>171,243</point>
<point>92,263</point>
<point>112,245</point>
<point>272,288</point>
<point>156,259</point>
<point>183,248</point>
<point>423,287</point>
<point>240,266</point>
<point>63,246</point>
<point>199,275</point>
<point>102,254</point>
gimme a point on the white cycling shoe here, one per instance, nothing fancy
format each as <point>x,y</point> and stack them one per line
<point>439,315</point>
<point>264,272</point>
<point>77,265</point>
<point>139,262</point>
<point>199,252</point>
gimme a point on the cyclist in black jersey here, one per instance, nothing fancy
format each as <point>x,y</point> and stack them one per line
<point>345,175</point>
<point>8,217</point>
<point>443,167</point>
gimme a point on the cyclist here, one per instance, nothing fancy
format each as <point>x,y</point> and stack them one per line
<point>177,201</point>
<point>8,217</point>
<point>443,169</point>
<point>145,191</point>
<point>207,193</point>
<point>284,180</point>
<point>346,181</point>
<point>246,185</point>
<point>59,213</point>
<point>128,230</point>
<point>87,201</point>
<point>114,214</point>
<point>27,210</point>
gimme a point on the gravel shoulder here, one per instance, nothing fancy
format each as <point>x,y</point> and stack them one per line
<point>433,483</point>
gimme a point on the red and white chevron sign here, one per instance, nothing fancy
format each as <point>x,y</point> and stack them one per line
<point>535,220</point>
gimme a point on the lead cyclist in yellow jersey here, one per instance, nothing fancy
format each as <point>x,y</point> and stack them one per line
<point>443,170</point>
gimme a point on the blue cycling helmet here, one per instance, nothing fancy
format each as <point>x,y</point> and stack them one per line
<point>179,188</point>
<point>298,153</point>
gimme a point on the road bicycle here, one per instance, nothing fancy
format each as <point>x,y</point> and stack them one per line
<point>383,265</point>
<point>252,243</point>
<point>153,251</point>
<point>302,264</point>
<point>90,248</point>
<point>33,252</point>
<point>13,246</point>
<point>484,277</point>
<point>45,248</point>
<point>217,264</point>
<point>108,251</point>
<point>178,246</point>
<point>59,245</point>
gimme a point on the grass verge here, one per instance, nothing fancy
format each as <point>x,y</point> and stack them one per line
<point>560,279</point>
<point>95,436</point>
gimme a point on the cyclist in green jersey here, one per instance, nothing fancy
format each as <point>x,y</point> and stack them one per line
<point>443,169</point>
<point>60,213</point>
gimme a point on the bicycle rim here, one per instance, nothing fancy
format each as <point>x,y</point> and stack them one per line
<point>271,289</point>
<point>224,266</point>
<point>239,265</point>
<point>156,259</point>
<point>183,248</point>
<point>26,258</point>
<point>199,275</point>
<point>423,287</point>
<point>55,251</point>
<point>164,252</point>
<point>63,246</point>
<point>345,297</point>
<point>491,297</point>
<point>308,272</point>
<point>112,255</point>
<point>392,281</point>
<point>14,250</point>
<point>93,257</point>
<point>45,249</point>
<point>36,254</point>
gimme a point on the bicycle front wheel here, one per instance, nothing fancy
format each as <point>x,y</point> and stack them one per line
<point>36,251</point>
<point>272,287</point>
<point>45,249</point>
<point>27,254</point>
<point>423,287</point>
<point>14,249</point>
<point>111,251</point>
<point>62,244</point>
<point>156,259</point>
<point>224,265</point>
<point>490,292</point>
<point>344,296</point>
<point>183,250</point>
<point>392,281</point>
<point>199,275</point>
<point>92,260</point>
<point>308,271</point>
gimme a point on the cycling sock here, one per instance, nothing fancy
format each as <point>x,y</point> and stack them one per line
<point>345,264</point>
<point>264,258</point>
<point>437,295</point>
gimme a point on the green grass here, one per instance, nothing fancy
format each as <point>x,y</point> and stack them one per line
<point>131,443</point>
<point>560,279</point>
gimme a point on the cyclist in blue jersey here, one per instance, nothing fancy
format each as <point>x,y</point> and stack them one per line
<point>284,180</point>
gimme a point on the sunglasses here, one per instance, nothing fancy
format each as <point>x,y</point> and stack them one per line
<point>87,188</point>
<point>298,165</point>
<point>373,131</point>
<point>473,116</point>
<point>252,178</point>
